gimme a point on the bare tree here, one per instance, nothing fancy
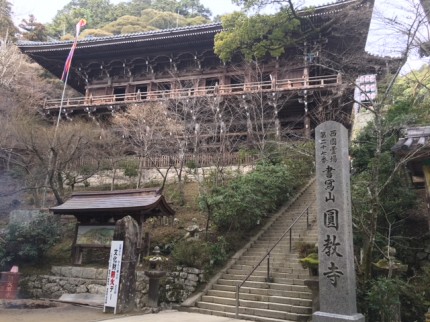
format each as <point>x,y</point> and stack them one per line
<point>33,144</point>
<point>410,31</point>
<point>149,129</point>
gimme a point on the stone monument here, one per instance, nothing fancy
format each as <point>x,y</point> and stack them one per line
<point>335,249</point>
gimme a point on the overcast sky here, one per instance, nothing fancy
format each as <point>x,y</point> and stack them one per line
<point>45,10</point>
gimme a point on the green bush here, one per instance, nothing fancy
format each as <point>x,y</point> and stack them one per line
<point>241,204</point>
<point>131,170</point>
<point>388,297</point>
<point>218,251</point>
<point>191,253</point>
<point>28,241</point>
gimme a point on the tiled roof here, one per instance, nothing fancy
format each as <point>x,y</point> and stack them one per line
<point>134,37</point>
<point>414,139</point>
<point>133,201</point>
<point>322,10</point>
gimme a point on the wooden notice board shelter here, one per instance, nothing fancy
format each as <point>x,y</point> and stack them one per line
<point>97,212</point>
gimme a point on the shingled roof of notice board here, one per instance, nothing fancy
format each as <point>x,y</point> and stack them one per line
<point>416,140</point>
<point>133,201</point>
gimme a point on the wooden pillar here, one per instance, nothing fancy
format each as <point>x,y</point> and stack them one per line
<point>307,123</point>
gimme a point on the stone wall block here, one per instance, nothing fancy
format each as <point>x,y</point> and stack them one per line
<point>57,295</point>
<point>190,283</point>
<point>70,288</point>
<point>89,273</point>
<point>190,288</point>
<point>76,272</point>
<point>51,288</point>
<point>192,270</point>
<point>82,289</point>
<point>101,274</point>
<point>37,293</point>
<point>193,277</point>
<point>37,284</point>
<point>56,270</point>
<point>66,271</point>
<point>96,289</point>
<point>53,279</point>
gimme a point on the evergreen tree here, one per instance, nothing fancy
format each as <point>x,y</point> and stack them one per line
<point>7,28</point>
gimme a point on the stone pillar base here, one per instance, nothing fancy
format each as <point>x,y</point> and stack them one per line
<point>331,317</point>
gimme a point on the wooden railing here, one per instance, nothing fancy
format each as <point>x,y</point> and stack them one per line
<point>179,93</point>
<point>165,161</point>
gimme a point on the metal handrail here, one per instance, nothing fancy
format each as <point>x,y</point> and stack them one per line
<point>289,230</point>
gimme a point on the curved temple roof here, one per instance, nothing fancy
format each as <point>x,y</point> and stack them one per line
<point>139,201</point>
<point>52,55</point>
<point>416,140</point>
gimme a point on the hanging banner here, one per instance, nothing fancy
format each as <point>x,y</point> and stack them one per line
<point>113,275</point>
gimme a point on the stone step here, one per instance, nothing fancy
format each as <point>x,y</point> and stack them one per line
<point>233,315</point>
<point>274,314</point>
<point>277,251</point>
<point>257,304</point>
<point>238,278</point>
<point>261,297</point>
<point>274,236</point>
<point>274,258</point>
<point>264,292</point>
<point>280,260</point>
<point>296,231</point>
<point>263,285</point>
<point>274,272</point>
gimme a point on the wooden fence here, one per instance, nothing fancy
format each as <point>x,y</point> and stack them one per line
<point>165,161</point>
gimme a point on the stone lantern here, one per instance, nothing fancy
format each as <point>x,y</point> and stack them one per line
<point>154,274</point>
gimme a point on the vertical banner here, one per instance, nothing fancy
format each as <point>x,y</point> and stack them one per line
<point>113,275</point>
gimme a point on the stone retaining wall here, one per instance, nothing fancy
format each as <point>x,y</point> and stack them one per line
<point>174,288</point>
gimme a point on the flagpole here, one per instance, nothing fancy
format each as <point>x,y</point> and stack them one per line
<point>60,110</point>
<point>54,141</point>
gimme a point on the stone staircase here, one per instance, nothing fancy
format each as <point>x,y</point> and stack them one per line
<point>284,297</point>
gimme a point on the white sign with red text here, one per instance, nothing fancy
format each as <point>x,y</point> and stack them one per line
<point>113,275</point>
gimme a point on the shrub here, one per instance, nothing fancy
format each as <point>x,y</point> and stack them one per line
<point>389,297</point>
<point>218,251</point>
<point>191,253</point>
<point>241,204</point>
<point>28,241</point>
<point>131,170</point>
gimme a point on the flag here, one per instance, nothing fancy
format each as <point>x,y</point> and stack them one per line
<point>68,63</point>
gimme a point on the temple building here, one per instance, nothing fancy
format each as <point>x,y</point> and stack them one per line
<point>236,102</point>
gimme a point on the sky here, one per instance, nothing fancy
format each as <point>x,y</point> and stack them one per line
<point>45,10</point>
